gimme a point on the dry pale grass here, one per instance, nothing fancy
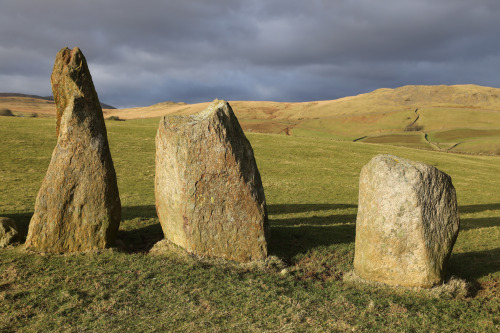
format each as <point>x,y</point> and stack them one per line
<point>368,107</point>
<point>452,288</point>
<point>460,108</point>
<point>383,111</point>
<point>28,106</point>
<point>167,249</point>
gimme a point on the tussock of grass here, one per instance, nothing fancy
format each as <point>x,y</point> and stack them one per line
<point>167,249</point>
<point>452,288</point>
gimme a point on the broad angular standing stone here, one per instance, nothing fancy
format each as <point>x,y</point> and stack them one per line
<point>78,206</point>
<point>407,222</point>
<point>209,194</point>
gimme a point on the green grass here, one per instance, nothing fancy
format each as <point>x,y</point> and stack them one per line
<point>486,146</point>
<point>311,188</point>
<point>475,130</point>
<point>466,140</point>
<point>461,134</point>
<point>411,140</point>
<point>353,126</point>
<point>445,118</point>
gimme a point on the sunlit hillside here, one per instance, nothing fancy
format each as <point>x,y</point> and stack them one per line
<point>460,118</point>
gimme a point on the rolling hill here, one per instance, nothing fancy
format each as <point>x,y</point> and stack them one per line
<point>26,105</point>
<point>459,118</point>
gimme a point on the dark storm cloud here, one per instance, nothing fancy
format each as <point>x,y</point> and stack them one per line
<point>142,52</point>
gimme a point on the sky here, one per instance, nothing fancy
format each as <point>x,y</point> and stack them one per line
<point>149,51</point>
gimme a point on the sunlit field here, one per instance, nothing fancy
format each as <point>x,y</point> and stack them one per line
<point>311,186</point>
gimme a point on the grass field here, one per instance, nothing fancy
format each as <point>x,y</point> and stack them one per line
<point>311,187</point>
<point>411,140</point>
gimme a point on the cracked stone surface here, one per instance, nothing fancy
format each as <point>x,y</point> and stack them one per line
<point>407,222</point>
<point>78,206</point>
<point>209,194</point>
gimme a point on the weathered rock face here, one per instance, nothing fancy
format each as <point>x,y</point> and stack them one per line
<point>8,231</point>
<point>209,194</point>
<point>407,222</point>
<point>78,206</point>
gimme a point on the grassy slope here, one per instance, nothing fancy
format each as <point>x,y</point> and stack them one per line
<point>311,190</point>
<point>28,106</point>
<point>381,116</point>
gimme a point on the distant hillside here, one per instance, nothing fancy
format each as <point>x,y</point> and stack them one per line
<point>47,98</point>
<point>459,118</point>
<point>413,116</point>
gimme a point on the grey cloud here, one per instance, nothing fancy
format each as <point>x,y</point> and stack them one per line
<point>145,52</point>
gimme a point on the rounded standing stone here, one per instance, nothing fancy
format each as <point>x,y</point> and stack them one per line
<point>407,222</point>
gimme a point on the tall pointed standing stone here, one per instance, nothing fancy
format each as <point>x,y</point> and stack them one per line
<point>209,194</point>
<point>78,206</point>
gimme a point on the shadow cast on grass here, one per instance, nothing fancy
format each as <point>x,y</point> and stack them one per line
<point>287,242</point>
<point>128,213</point>
<point>22,221</point>
<point>140,228</point>
<point>478,208</point>
<point>141,239</point>
<point>304,208</point>
<point>483,222</point>
<point>473,266</point>
<point>143,212</point>
<point>293,236</point>
<point>323,221</point>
